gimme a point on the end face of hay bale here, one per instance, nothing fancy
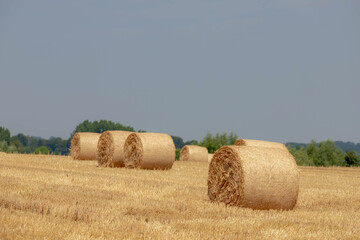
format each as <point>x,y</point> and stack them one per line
<point>240,142</point>
<point>194,153</point>
<point>134,151</point>
<point>111,148</point>
<point>225,180</point>
<point>149,151</point>
<point>84,146</point>
<point>184,154</point>
<point>75,146</point>
<point>105,149</point>
<point>254,177</point>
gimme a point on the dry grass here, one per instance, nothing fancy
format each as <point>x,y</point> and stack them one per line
<point>59,198</point>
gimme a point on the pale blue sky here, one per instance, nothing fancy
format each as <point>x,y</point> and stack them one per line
<point>273,70</point>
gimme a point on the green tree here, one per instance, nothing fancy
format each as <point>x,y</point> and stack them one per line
<point>178,141</point>
<point>3,146</point>
<point>5,135</point>
<point>191,142</point>
<point>22,138</point>
<point>16,142</point>
<point>323,154</point>
<point>213,143</point>
<point>177,153</point>
<point>41,150</point>
<point>329,155</point>
<point>301,156</point>
<point>58,145</point>
<point>100,126</point>
<point>351,159</point>
<point>311,151</point>
<point>12,149</point>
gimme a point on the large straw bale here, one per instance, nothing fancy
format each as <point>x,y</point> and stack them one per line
<point>254,177</point>
<point>149,151</point>
<point>111,148</point>
<point>84,146</point>
<point>210,156</point>
<point>194,153</point>
<point>259,143</point>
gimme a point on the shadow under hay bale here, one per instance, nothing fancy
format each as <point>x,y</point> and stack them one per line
<point>110,148</point>
<point>194,153</point>
<point>254,177</point>
<point>149,151</point>
<point>84,146</point>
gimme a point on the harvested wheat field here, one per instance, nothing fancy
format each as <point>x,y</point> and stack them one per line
<point>56,197</point>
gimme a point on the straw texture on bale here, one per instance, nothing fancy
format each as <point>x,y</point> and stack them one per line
<point>259,143</point>
<point>254,177</point>
<point>149,151</point>
<point>194,153</point>
<point>210,156</point>
<point>111,148</point>
<point>84,146</point>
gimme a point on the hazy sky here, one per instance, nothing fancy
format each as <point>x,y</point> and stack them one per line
<point>273,70</point>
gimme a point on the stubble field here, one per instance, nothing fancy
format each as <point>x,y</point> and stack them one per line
<point>54,197</point>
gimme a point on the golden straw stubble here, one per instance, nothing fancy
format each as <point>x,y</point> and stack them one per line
<point>254,177</point>
<point>84,146</point>
<point>111,148</point>
<point>149,151</point>
<point>3,154</point>
<point>194,153</point>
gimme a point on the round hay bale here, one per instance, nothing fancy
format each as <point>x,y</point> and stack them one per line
<point>254,177</point>
<point>84,146</point>
<point>210,156</point>
<point>194,153</point>
<point>149,151</point>
<point>259,143</point>
<point>110,148</point>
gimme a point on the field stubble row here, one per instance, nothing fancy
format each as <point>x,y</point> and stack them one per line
<point>57,197</point>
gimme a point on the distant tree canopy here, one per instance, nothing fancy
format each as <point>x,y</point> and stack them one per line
<point>351,159</point>
<point>21,143</point>
<point>326,153</point>
<point>344,146</point>
<point>213,143</point>
<point>41,150</point>
<point>4,135</point>
<point>100,126</point>
<point>318,154</point>
<point>178,141</point>
<point>26,144</point>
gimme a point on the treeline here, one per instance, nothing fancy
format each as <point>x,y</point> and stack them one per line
<point>21,143</point>
<point>344,146</point>
<point>214,142</point>
<point>326,153</point>
<point>211,142</point>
